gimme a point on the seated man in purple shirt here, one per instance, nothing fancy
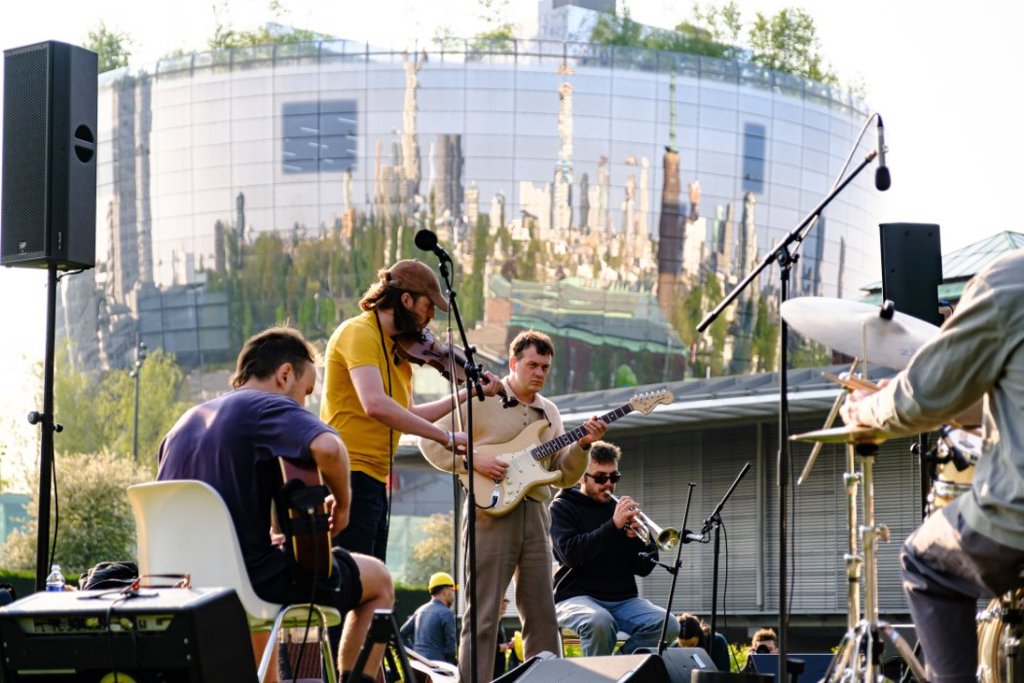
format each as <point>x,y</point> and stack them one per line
<point>233,443</point>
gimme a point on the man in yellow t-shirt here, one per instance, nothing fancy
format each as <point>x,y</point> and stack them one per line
<point>367,394</point>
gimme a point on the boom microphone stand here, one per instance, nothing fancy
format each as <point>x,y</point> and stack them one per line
<point>714,521</point>
<point>785,258</point>
<point>428,241</point>
<point>674,570</point>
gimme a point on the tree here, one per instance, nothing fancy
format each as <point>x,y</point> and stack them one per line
<point>96,522</point>
<point>433,553</point>
<point>97,409</point>
<point>112,47</point>
<point>499,33</point>
<point>225,37</point>
<point>612,29</point>
<point>788,42</point>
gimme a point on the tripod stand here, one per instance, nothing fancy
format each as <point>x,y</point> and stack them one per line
<point>860,651</point>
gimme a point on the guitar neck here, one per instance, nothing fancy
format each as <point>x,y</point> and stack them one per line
<point>559,442</point>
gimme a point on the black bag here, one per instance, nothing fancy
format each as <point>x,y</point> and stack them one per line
<point>108,575</point>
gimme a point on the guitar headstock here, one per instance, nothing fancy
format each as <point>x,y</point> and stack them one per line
<point>646,402</point>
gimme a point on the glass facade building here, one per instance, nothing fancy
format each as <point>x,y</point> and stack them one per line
<point>635,171</point>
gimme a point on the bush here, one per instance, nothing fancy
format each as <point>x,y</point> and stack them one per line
<point>94,523</point>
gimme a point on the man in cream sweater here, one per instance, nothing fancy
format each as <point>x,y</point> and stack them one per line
<point>518,542</point>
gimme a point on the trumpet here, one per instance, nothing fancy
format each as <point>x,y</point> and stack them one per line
<point>665,539</point>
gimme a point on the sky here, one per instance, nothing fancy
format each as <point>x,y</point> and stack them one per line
<point>940,74</point>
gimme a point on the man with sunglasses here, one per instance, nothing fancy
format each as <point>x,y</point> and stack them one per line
<point>599,558</point>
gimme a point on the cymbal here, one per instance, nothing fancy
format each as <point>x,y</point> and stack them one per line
<point>844,434</point>
<point>857,330</point>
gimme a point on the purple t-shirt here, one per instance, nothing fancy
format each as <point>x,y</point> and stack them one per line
<point>233,444</point>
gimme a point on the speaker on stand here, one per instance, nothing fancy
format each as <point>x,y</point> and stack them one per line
<point>49,157</point>
<point>48,216</point>
<point>911,275</point>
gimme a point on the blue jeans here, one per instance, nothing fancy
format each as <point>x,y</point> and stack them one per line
<point>597,623</point>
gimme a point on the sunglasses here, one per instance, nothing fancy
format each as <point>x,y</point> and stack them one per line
<point>602,478</point>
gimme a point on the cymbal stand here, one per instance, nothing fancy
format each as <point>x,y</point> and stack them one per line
<point>852,559</point>
<point>860,651</point>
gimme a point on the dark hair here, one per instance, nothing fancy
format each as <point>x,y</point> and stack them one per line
<point>263,353</point>
<point>528,338</point>
<point>436,590</point>
<point>381,295</point>
<point>386,297</point>
<point>691,627</point>
<point>603,453</point>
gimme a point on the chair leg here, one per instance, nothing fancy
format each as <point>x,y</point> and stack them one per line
<point>320,621</point>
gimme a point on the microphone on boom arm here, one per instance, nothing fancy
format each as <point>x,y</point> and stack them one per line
<point>882,178</point>
<point>427,241</point>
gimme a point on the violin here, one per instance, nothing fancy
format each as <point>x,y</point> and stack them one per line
<point>426,349</point>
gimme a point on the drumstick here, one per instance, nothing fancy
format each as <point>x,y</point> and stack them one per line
<point>852,383</point>
<point>833,414</point>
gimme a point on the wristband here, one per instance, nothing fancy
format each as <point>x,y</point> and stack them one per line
<point>451,440</point>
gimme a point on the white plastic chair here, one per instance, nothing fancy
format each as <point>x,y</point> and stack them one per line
<point>184,527</point>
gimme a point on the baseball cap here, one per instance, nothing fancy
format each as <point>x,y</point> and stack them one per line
<point>416,277</point>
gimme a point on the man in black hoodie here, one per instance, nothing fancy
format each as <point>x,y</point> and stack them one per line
<point>599,556</point>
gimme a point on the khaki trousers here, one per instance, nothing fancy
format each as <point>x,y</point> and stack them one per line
<point>514,547</point>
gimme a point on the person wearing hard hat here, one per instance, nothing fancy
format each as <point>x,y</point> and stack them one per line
<point>430,631</point>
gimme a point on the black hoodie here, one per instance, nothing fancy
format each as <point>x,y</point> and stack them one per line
<point>596,558</point>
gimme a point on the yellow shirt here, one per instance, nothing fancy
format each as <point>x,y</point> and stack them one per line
<point>355,343</point>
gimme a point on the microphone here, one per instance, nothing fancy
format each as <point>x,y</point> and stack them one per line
<point>689,537</point>
<point>427,241</point>
<point>882,178</point>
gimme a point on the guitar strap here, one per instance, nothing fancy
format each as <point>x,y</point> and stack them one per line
<point>391,432</point>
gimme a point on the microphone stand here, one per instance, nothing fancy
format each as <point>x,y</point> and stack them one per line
<point>785,259</point>
<point>674,570</point>
<point>714,521</point>
<point>474,387</point>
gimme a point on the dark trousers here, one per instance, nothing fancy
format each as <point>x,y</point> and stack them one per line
<point>367,530</point>
<point>947,567</point>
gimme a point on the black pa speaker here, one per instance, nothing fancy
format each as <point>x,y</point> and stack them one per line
<point>813,664</point>
<point>912,268</point>
<point>170,635</point>
<point>49,157</point>
<point>681,662</point>
<point>632,668</point>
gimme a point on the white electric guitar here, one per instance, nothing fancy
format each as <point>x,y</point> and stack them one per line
<point>525,456</point>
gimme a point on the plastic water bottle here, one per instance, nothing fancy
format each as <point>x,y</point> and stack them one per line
<point>55,581</point>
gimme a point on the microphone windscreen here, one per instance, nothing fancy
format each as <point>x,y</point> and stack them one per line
<point>882,178</point>
<point>425,240</point>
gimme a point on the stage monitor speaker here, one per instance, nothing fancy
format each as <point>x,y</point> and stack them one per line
<point>49,157</point>
<point>681,662</point>
<point>815,665</point>
<point>625,668</point>
<point>169,635</point>
<point>912,268</point>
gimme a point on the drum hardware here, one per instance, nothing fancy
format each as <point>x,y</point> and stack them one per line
<point>859,655</point>
<point>1000,629</point>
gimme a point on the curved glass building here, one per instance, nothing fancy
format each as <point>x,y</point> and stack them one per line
<point>604,194</point>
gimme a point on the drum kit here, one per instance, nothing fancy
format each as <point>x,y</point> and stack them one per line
<point>887,338</point>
